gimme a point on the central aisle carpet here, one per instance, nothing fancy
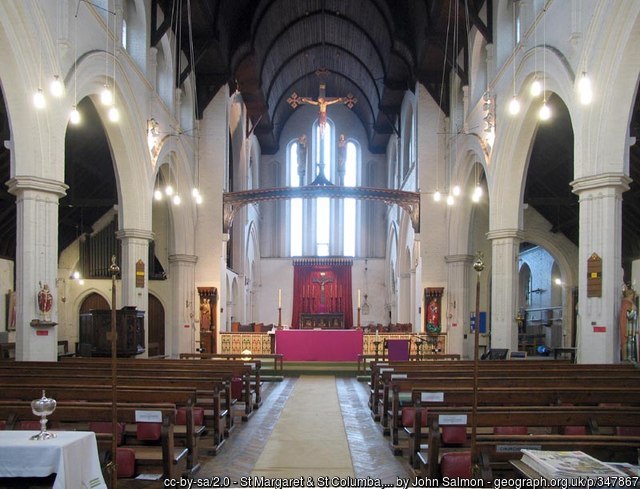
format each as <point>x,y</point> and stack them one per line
<point>309,439</point>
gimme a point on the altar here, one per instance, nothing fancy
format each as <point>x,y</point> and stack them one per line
<point>327,320</point>
<point>319,345</point>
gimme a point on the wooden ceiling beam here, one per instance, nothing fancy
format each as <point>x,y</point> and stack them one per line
<point>477,22</point>
<point>158,31</point>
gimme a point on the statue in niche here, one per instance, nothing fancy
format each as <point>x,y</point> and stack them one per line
<point>628,321</point>
<point>205,314</point>
<point>45,301</point>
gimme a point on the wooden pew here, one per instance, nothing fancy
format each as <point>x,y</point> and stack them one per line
<point>172,460</point>
<point>465,368</point>
<point>278,358</point>
<point>517,398</point>
<point>248,371</point>
<point>207,392</point>
<point>165,368</point>
<point>544,424</point>
<point>445,385</point>
<point>384,375</point>
<point>182,397</point>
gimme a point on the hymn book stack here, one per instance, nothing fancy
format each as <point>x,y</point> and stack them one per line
<point>567,464</point>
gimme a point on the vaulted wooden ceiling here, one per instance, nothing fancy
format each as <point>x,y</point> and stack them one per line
<point>374,50</point>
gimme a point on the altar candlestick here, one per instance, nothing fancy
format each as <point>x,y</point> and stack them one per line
<point>358,298</point>
<point>279,297</point>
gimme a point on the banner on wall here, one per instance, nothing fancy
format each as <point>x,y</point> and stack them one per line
<point>483,322</point>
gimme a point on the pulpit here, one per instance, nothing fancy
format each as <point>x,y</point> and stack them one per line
<point>95,333</point>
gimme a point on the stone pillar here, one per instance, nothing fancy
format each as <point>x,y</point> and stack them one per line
<point>211,240</point>
<point>459,268</point>
<point>600,233</point>
<point>135,249</point>
<point>181,323</point>
<point>505,246</point>
<point>36,262</point>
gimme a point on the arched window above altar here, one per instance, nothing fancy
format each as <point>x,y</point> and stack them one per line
<point>324,226</point>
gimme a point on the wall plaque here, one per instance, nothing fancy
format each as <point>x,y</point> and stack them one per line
<point>594,276</point>
<point>140,274</point>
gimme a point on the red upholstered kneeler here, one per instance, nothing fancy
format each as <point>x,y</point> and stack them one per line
<point>198,416</point>
<point>148,431</point>
<point>409,413</point>
<point>105,427</point>
<point>126,460</point>
<point>236,388</point>
<point>454,435</point>
<point>29,425</point>
<point>456,464</point>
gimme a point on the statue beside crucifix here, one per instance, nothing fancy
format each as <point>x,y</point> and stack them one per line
<point>323,280</point>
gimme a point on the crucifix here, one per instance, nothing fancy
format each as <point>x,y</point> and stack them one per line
<point>322,103</point>
<point>322,281</point>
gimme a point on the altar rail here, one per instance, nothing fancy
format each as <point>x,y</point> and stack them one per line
<point>257,343</point>
<point>264,343</point>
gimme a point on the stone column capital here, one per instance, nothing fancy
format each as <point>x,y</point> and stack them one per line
<point>459,259</point>
<point>19,184</point>
<point>183,258</point>
<point>142,234</point>
<point>617,181</point>
<point>505,234</point>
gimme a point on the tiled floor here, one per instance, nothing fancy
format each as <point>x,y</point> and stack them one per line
<point>370,451</point>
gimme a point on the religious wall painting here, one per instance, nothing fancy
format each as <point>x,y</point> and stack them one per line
<point>433,312</point>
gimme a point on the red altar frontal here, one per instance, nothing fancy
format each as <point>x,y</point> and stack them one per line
<point>319,345</point>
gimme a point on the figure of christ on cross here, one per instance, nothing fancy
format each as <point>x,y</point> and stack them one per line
<point>322,281</point>
<point>323,102</point>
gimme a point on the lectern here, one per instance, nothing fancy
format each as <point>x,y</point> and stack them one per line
<point>95,333</point>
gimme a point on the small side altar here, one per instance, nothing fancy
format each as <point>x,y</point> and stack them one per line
<point>325,320</point>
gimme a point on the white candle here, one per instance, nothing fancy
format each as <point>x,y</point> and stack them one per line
<point>279,298</point>
<point>358,298</point>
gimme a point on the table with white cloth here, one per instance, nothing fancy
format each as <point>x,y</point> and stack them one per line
<point>72,455</point>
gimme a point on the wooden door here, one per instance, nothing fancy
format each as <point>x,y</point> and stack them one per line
<point>156,326</point>
<point>94,301</point>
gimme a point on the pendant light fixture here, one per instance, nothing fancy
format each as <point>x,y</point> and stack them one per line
<point>56,87</point>
<point>584,89</point>
<point>477,191</point>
